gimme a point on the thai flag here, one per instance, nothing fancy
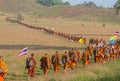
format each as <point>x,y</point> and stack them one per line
<point>24,51</point>
<point>116,33</point>
<point>100,44</point>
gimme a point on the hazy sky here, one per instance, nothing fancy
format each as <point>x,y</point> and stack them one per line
<point>104,3</point>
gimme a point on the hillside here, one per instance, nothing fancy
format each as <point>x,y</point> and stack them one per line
<point>16,6</point>
<point>89,14</point>
<point>86,14</point>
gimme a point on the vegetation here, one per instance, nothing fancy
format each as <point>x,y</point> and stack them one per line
<point>117,6</point>
<point>90,4</point>
<point>20,18</point>
<point>18,6</point>
<point>52,2</point>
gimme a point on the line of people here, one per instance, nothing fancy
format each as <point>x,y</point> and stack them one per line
<point>50,31</point>
<point>68,59</point>
<point>100,53</point>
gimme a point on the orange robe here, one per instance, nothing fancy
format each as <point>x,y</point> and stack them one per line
<point>100,56</point>
<point>1,77</point>
<point>45,64</point>
<point>86,58</point>
<point>31,69</point>
<point>55,62</point>
<point>4,67</point>
<point>65,61</point>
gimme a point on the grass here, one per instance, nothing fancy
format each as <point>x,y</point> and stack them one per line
<point>14,37</point>
<point>94,72</point>
<point>18,6</point>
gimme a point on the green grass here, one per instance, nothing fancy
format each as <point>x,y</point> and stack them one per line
<point>2,14</point>
<point>94,72</point>
<point>113,77</point>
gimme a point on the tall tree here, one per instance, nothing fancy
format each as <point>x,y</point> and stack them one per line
<point>117,6</point>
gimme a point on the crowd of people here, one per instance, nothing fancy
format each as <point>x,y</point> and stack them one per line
<point>50,31</point>
<point>98,49</point>
<point>100,52</point>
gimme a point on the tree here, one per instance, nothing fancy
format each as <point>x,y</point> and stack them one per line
<point>66,3</point>
<point>51,2</point>
<point>117,6</point>
<point>91,4</point>
<point>20,17</point>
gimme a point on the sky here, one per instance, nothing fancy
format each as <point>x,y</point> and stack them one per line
<point>104,3</point>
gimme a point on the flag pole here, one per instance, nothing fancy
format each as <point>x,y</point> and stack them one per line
<point>27,53</point>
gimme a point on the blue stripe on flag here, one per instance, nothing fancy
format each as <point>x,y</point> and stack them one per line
<point>23,52</point>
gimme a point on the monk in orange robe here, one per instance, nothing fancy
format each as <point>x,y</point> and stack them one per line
<point>73,59</point>
<point>65,61</point>
<point>56,61</point>
<point>45,63</point>
<point>32,66</point>
<point>85,57</point>
<point>3,69</point>
<point>100,53</point>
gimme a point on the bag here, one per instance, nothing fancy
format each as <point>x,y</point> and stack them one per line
<point>32,63</point>
<point>75,59</point>
<point>1,71</point>
<point>63,60</point>
<point>59,62</point>
<point>44,62</point>
<point>53,59</point>
<point>27,63</point>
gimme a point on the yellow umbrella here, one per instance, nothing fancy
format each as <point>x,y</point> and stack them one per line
<point>113,37</point>
<point>81,40</point>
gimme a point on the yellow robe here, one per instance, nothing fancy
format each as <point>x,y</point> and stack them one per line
<point>4,67</point>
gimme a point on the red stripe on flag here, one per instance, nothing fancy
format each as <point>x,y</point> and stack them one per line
<point>24,51</point>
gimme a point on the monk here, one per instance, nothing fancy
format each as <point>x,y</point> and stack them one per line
<point>3,69</point>
<point>119,51</point>
<point>73,59</point>
<point>56,61</point>
<point>116,50</point>
<point>112,52</point>
<point>77,56</point>
<point>32,65</point>
<point>100,55</point>
<point>45,63</point>
<point>85,57</point>
<point>65,61</point>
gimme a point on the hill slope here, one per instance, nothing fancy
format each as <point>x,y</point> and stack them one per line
<point>18,5</point>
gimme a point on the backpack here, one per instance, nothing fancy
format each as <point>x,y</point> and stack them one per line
<point>31,63</point>
<point>27,63</point>
<point>75,59</point>
<point>64,59</point>
<point>59,62</point>
<point>43,62</point>
<point>53,59</point>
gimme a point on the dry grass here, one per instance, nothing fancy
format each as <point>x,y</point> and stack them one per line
<point>14,37</point>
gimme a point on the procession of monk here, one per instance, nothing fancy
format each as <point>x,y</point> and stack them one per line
<point>98,49</point>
